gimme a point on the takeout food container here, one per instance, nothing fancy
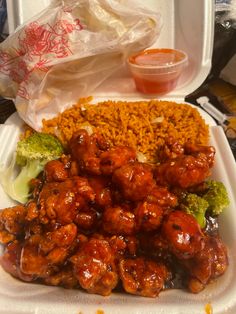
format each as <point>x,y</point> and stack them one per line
<point>192,33</point>
<point>157,71</point>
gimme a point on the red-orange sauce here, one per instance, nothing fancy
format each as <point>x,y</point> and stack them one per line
<point>154,82</point>
<point>157,86</point>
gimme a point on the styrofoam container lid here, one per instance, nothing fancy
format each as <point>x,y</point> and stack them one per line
<point>189,26</point>
<point>190,32</point>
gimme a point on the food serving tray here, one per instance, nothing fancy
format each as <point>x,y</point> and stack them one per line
<point>188,25</point>
<point>17,297</point>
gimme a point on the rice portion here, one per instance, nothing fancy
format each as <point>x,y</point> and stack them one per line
<point>144,125</point>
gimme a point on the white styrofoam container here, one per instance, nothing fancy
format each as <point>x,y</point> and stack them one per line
<point>188,25</point>
<point>17,297</point>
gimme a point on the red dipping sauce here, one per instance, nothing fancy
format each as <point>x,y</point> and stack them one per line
<point>156,71</point>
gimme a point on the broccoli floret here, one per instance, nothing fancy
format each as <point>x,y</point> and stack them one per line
<point>216,196</point>
<point>196,206</point>
<point>39,146</point>
<point>214,200</point>
<point>31,156</point>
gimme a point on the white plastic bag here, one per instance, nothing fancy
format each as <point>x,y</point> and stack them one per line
<point>69,49</point>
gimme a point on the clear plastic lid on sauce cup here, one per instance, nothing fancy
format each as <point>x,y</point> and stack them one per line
<point>156,71</point>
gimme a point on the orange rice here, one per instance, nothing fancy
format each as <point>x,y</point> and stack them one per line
<point>144,125</point>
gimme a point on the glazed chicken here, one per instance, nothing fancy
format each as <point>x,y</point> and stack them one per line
<point>101,221</point>
<point>94,267</point>
<point>183,234</point>
<point>135,180</point>
<point>85,150</point>
<point>143,277</point>
<point>210,263</point>
<point>187,169</point>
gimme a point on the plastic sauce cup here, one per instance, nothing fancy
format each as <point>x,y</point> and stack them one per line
<point>156,71</point>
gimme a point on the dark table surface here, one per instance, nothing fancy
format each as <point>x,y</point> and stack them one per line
<point>7,108</point>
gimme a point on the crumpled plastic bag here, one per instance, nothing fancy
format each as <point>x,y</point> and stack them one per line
<point>68,50</point>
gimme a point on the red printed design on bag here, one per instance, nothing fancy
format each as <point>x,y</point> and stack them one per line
<point>42,65</point>
<point>14,67</point>
<point>67,9</point>
<point>23,93</point>
<point>5,62</point>
<point>20,73</point>
<point>39,40</point>
<point>37,46</point>
<point>64,27</point>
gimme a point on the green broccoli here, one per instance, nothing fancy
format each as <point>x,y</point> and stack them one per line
<point>196,206</point>
<point>216,196</point>
<point>213,200</point>
<point>31,156</point>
